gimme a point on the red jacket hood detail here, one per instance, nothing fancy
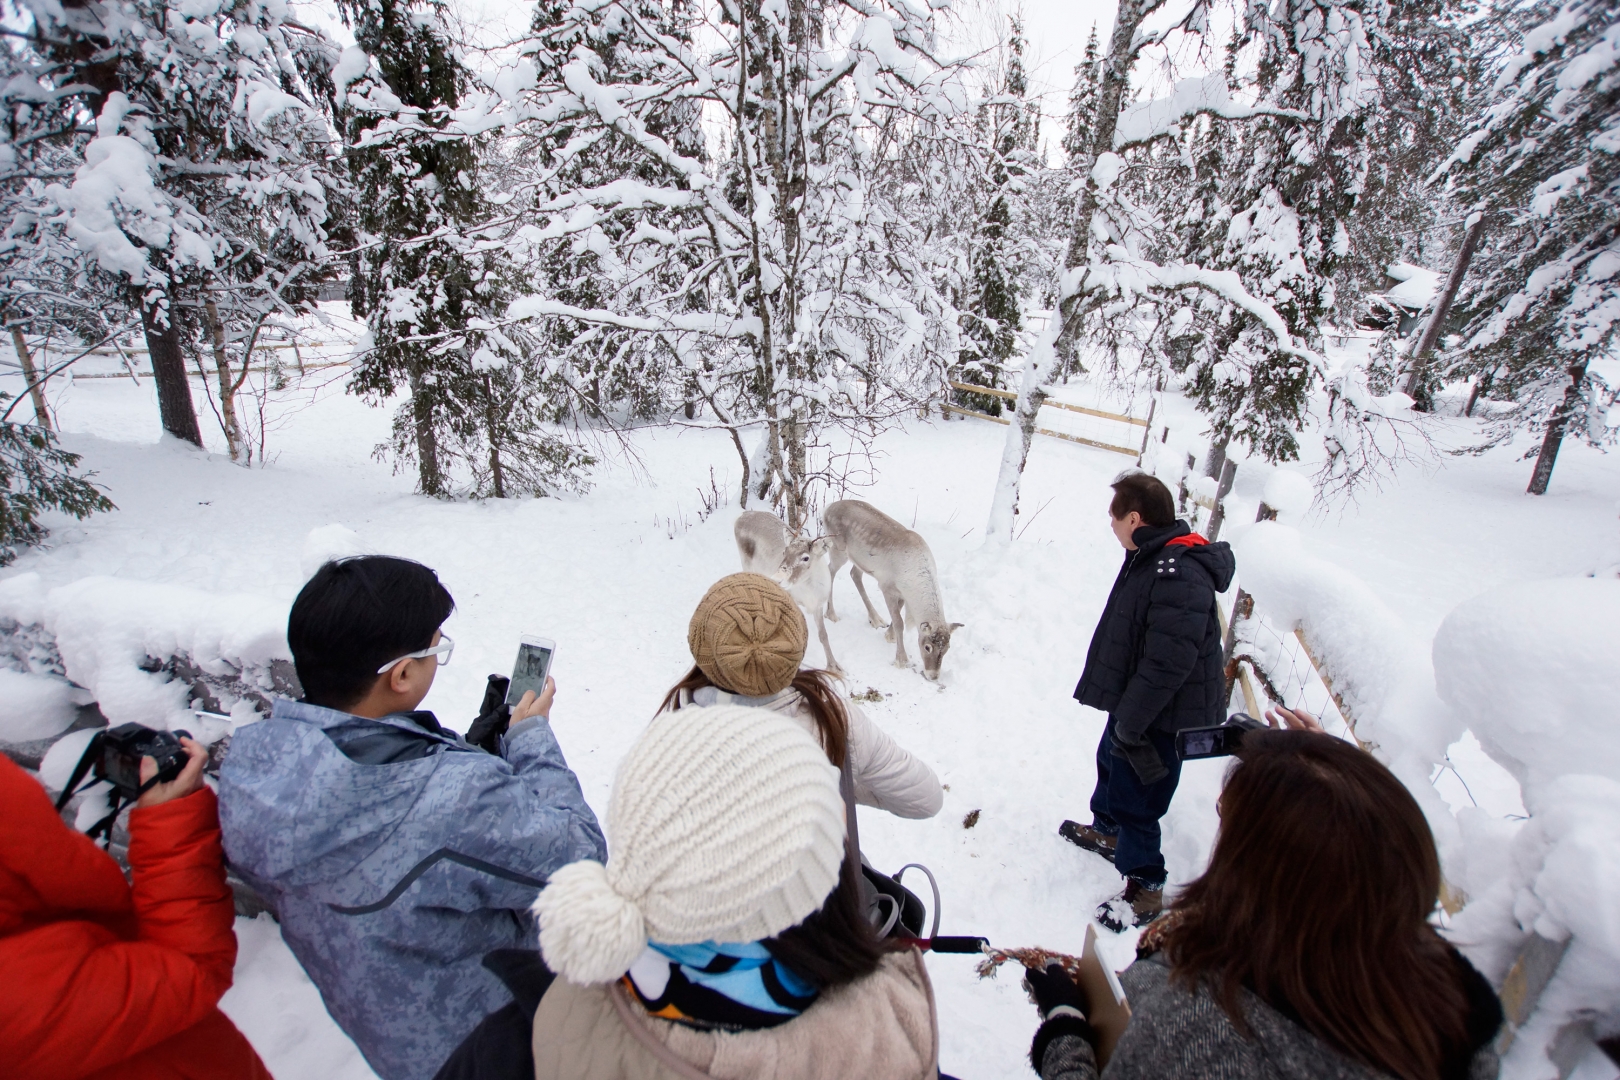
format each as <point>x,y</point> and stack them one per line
<point>1190,540</point>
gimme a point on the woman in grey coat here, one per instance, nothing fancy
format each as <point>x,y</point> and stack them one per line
<point>1304,951</point>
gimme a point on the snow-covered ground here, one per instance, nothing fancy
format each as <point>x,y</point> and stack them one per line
<point>614,575</point>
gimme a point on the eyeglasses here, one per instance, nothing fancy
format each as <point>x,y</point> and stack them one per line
<point>442,650</point>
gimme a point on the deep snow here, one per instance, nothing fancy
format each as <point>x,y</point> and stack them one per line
<point>613,577</point>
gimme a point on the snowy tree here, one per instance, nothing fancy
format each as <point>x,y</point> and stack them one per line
<point>807,302</point>
<point>991,316</point>
<point>207,185</point>
<point>430,276</point>
<point>43,284</point>
<point>1544,158</point>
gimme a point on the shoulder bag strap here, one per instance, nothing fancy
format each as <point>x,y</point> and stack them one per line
<point>846,788</point>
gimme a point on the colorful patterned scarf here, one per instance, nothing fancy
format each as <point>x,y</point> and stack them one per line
<point>732,987</point>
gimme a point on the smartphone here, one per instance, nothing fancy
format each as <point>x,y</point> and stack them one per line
<point>1219,741</point>
<point>532,667</point>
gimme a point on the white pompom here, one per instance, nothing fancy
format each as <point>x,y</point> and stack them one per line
<point>588,932</point>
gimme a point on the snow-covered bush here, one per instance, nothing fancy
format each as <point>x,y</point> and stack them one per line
<point>150,653</point>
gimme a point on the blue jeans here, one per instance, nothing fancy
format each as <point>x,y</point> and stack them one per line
<point>1125,807</point>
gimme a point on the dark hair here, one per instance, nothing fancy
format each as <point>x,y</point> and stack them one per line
<point>835,944</point>
<point>354,616</point>
<point>1147,495</point>
<point>1317,899</point>
<point>819,693</point>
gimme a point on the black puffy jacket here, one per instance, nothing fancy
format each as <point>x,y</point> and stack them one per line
<point>1155,658</point>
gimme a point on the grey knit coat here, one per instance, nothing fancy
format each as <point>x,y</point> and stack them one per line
<point>1175,1033</point>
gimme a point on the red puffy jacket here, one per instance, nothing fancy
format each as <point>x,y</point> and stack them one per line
<point>99,978</point>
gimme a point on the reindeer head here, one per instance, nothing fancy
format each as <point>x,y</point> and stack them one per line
<point>801,555</point>
<point>935,642</point>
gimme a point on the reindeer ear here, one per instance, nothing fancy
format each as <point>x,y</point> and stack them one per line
<point>957,625</point>
<point>819,545</point>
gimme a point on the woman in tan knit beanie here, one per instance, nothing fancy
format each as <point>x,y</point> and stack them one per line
<point>748,639</point>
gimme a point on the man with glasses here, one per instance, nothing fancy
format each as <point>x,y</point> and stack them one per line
<point>396,854</point>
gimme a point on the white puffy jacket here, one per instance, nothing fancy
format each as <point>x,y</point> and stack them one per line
<point>887,776</point>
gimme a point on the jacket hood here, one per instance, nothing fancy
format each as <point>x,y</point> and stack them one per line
<point>1216,559</point>
<point>306,813</point>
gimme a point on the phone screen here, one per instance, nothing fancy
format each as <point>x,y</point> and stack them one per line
<point>529,673</point>
<point>1203,742</point>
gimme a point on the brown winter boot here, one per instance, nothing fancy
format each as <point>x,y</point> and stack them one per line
<point>1138,905</point>
<point>1085,836</point>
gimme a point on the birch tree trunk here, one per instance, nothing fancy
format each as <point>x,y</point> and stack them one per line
<point>227,384</point>
<point>1116,76</point>
<point>30,376</point>
<point>1015,453</point>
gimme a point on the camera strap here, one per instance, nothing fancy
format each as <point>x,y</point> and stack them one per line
<point>91,752</point>
<point>87,760</point>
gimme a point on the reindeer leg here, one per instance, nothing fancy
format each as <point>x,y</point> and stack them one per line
<point>872,616</point>
<point>897,626</point>
<point>835,562</point>
<point>826,649</point>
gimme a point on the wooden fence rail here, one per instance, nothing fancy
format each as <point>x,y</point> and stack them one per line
<point>1135,421</point>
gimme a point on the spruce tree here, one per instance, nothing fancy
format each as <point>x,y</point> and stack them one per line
<point>220,170</point>
<point>1543,160</point>
<point>992,319</point>
<point>427,279</point>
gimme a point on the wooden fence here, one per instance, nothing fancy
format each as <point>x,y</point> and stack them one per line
<point>1134,421</point>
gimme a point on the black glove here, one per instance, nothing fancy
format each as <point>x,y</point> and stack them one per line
<point>494,716</point>
<point>1053,988</point>
<point>1145,760</point>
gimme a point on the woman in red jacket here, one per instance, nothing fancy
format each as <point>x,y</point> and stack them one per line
<point>100,977</point>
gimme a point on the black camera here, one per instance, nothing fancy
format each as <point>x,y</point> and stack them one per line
<point>122,748</point>
<point>1218,741</point>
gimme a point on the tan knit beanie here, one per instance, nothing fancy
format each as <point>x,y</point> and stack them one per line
<point>725,825</point>
<point>748,636</point>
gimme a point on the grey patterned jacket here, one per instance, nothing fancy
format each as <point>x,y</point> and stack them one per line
<point>1175,1034</point>
<point>396,855</point>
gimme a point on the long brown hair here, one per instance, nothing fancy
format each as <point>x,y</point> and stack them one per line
<point>814,685</point>
<point>834,945</point>
<point>1317,899</point>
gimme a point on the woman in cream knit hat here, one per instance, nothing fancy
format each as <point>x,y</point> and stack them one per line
<point>724,936</point>
<point>748,639</point>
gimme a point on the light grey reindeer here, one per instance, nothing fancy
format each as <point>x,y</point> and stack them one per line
<point>797,563</point>
<point>874,543</point>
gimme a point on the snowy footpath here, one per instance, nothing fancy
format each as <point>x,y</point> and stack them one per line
<point>614,575</point>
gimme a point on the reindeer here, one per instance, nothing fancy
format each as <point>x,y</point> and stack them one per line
<point>874,543</point>
<point>797,563</point>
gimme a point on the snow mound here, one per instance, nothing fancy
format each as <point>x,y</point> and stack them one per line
<point>1534,670</point>
<point>1290,494</point>
<point>112,634</point>
<point>1376,662</point>
<point>328,542</point>
<point>33,706</point>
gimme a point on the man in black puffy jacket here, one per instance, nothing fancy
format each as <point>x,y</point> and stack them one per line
<point>1155,667</point>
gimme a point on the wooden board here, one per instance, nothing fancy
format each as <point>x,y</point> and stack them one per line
<point>1106,1006</point>
<point>1043,431</point>
<point>1049,404</point>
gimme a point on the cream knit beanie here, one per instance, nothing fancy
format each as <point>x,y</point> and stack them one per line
<point>725,825</point>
